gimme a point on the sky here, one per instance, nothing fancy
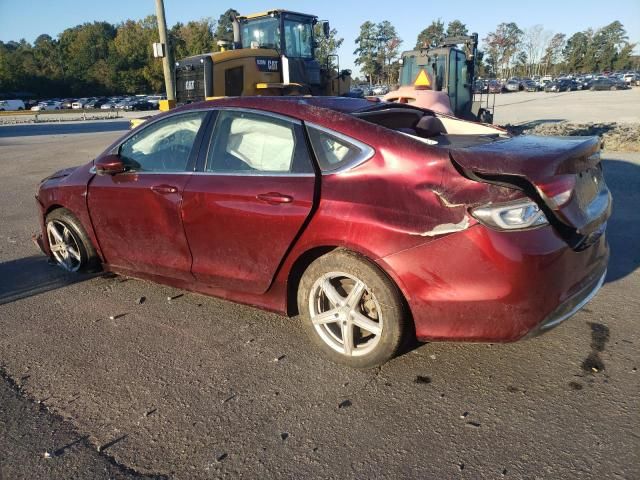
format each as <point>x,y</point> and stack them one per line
<point>28,19</point>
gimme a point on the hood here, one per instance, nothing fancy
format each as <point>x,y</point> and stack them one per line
<point>65,172</point>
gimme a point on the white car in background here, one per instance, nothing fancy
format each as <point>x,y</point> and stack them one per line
<point>80,103</point>
<point>155,99</point>
<point>50,105</point>
<point>11,105</point>
<point>631,78</point>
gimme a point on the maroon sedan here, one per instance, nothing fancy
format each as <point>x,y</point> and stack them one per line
<point>375,222</point>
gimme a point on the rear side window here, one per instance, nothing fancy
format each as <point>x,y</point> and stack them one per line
<point>335,152</point>
<point>251,143</point>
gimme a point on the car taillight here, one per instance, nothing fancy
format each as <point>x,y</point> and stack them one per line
<point>558,191</point>
<point>518,215</point>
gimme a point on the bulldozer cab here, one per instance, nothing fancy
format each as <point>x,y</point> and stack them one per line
<point>288,32</point>
<point>291,34</point>
<point>449,69</point>
<point>273,53</point>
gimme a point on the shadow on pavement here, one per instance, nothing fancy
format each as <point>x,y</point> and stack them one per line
<point>30,130</point>
<point>623,230</point>
<point>25,277</point>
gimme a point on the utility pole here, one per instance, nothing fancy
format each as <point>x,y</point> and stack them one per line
<point>167,60</point>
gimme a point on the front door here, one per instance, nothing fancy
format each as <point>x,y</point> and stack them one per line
<point>136,214</point>
<point>244,210</point>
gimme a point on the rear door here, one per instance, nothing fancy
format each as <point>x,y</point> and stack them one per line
<point>245,208</point>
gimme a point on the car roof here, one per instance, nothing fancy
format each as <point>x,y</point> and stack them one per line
<point>301,107</point>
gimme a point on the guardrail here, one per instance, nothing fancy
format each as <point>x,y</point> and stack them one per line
<point>27,116</point>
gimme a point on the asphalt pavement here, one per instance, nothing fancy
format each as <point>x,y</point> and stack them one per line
<point>186,386</point>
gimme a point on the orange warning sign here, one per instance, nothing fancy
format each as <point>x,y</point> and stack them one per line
<point>423,80</point>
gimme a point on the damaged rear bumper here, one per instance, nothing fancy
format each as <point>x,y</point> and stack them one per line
<point>489,286</point>
<point>571,306</point>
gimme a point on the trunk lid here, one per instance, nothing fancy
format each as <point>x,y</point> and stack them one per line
<point>562,174</point>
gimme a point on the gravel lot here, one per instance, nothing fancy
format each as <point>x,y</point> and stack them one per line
<point>198,387</point>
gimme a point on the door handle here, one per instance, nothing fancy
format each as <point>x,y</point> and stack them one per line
<point>274,198</point>
<point>164,189</point>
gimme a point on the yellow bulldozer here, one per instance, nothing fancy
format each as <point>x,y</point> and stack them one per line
<point>273,53</point>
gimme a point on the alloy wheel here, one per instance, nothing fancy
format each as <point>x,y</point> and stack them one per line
<point>345,314</point>
<point>64,246</point>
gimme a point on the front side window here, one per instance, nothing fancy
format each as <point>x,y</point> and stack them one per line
<point>245,142</point>
<point>164,146</point>
<point>298,37</point>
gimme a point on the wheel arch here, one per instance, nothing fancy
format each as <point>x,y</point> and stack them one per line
<point>308,256</point>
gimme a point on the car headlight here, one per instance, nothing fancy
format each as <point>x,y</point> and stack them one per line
<point>519,215</point>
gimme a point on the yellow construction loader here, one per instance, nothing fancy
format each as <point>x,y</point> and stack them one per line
<point>273,53</point>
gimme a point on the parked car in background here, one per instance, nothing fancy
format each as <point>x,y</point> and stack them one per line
<point>481,86</point>
<point>380,90</point>
<point>374,222</point>
<point>11,105</point>
<point>96,102</point>
<point>608,84</point>
<point>30,103</point>
<point>109,104</point>
<point>512,86</point>
<point>155,99</point>
<point>631,78</point>
<point>563,85</point>
<point>531,86</point>
<point>356,92</point>
<point>495,86</point>
<point>67,103</point>
<point>138,105</point>
<point>49,105</point>
<point>80,103</point>
<point>583,83</point>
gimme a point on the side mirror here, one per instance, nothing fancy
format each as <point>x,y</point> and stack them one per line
<point>109,165</point>
<point>326,29</point>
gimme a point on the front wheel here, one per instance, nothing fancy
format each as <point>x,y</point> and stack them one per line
<point>351,310</point>
<point>70,246</point>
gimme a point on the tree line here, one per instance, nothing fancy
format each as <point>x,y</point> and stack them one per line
<point>507,51</point>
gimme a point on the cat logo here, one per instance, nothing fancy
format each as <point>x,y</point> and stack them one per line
<point>190,85</point>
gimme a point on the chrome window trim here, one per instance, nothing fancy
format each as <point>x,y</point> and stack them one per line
<point>214,174</point>
<point>252,174</point>
<point>366,151</point>
<point>266,113</point>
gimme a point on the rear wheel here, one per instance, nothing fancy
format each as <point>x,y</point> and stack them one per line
<point>70,246</point>
<point>351,311</point>
<point>613,87</point>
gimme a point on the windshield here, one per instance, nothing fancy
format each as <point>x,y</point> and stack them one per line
<point>264,31</point>
<point>298,36</point>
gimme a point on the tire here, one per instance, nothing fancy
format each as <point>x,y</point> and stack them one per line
<point>327,282</point>
<point>78,253</point>
<point>613,88</point>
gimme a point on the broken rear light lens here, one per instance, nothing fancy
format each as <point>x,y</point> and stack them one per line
<point>559,190</point>
<point>518,215</point>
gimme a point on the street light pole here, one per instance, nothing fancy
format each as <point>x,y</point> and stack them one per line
<point>167,60</point>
